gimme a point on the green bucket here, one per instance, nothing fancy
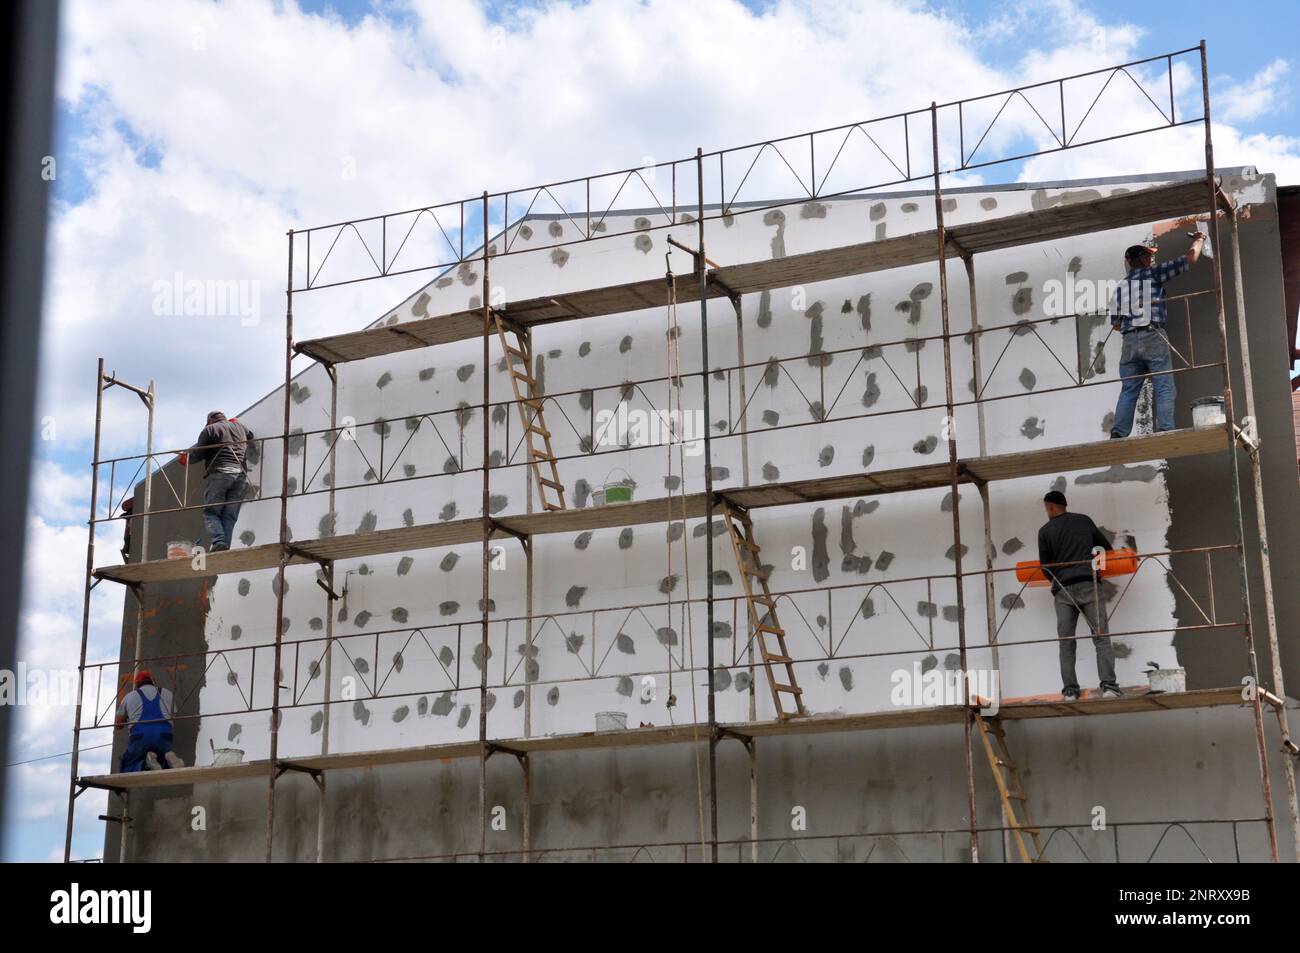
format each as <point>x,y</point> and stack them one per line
<point>618,493</point>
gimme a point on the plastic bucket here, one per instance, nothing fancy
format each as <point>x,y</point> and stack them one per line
<point>1208,412</point>
<point>611,720</point>
<point>227,756</point>
<point>617,491</point>
<point>1167,679</point>
<point>178,548</point>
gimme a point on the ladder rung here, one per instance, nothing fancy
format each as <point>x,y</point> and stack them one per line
<point>533,428</point>
<point>767,627</point>
<point>779,659</point>
<point>792,689</point>
<point>551,483</point>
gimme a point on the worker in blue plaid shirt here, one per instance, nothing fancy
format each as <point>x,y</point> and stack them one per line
<point>1138,312</point>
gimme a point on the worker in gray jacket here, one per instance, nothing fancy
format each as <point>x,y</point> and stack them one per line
<point>1066,544</point>
<point>223,447</point>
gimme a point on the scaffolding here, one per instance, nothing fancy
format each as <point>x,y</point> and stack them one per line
<point>755,609</point>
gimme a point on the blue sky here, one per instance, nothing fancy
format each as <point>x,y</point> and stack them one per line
<point>190,135</point>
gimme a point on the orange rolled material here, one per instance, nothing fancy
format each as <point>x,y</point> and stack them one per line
<point>1119,562</point>
<point>1031,572</point>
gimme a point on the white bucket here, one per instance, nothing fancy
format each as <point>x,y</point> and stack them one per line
<point>1208,412</point>
<point>227,756</point>
<point>178,548</point>
<point>611,720</point>
<point>1167,679</point>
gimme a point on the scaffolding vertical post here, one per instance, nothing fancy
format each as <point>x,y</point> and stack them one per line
<point>125,795</point>
<point>1266,785</point>
<point>1266,562</point>
<point>744,402</point>
<point>284,543</point>
<point>85,611</point>
<point>701,266</point>
<point>149,401</point>
<point>487,555</point>
<point>954,480</point>
<point>326,689</point>
<point>528,632</point>
<point>990,593</point>
<point>526,762</point>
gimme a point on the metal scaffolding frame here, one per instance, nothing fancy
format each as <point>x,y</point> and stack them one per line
<point>710,281</point>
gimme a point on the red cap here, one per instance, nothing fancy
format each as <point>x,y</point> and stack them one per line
<point>144,675</point>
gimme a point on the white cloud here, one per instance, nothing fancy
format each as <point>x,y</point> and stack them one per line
<point>254,110</point>
<point>1243,102</point>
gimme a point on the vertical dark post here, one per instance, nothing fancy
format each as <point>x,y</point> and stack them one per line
<point>954,475</point>
<point>1266,784</point>
<point>708,507</point>
<point>1261,528</point>
<point>487,541</point>
<point>85,609</point>
<point>284,556</point>
<point>326,692</point>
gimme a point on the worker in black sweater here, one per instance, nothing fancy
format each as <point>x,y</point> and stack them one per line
<point>223,447</point>
<point>1070,538</point>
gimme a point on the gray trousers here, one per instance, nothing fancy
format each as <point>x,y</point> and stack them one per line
<point>1083,598</point>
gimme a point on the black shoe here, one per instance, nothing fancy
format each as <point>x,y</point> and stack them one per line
<point>1111,691</point>
<point>218,548</point>
<point>1070,694</point>
<point>1116,436</point>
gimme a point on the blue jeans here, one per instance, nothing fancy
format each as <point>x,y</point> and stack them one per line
<point>139,745</point>
<point>1146,351</point>
<point>222,498</point>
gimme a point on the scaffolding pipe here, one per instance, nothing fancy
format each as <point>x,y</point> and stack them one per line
<point>1266,563</point>
<point>328,569</point>
<point>284,558</point>
<point>1266,784</point>
<point>487,554</point>
<point>701,268</point>
<point>954,483</point>
<point>85,611</point>
<point>148,398</point>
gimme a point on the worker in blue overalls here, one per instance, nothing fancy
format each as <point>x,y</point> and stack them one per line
<point>147,712</point>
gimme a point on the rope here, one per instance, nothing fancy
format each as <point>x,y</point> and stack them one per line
<point>675,391</point>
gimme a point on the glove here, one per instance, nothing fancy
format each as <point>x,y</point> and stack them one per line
<point>184,459</point>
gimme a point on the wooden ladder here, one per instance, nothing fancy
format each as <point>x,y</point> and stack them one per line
<point>530,412</point>
<point>1010,790</point>
<point>766,624</point>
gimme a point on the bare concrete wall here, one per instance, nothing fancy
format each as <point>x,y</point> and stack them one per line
<point>1220,657</point>
<point>863,785</point>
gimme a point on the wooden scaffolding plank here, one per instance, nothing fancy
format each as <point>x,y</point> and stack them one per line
<point>1012,709</point>
<point>1050,460</point>
<point>1136,207</point>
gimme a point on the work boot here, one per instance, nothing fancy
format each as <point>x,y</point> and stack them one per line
<point>1070,694</point>
<point>173,760</point>
<point>151,762</point>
